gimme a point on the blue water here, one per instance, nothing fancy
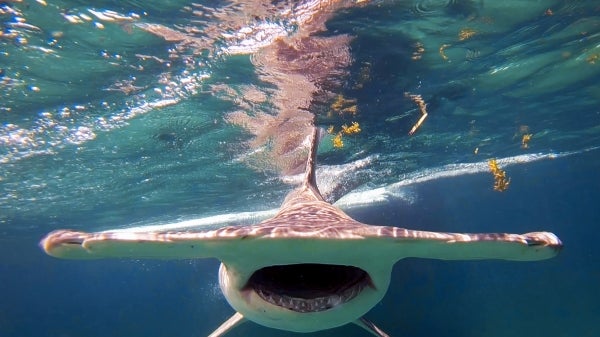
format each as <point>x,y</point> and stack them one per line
<point>106,125</point>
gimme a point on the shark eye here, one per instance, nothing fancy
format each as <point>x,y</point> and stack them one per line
<point>308,287</point>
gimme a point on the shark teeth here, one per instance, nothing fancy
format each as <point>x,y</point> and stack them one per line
<point>310,304</point>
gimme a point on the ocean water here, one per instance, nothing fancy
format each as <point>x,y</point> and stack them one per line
<point>131,113</point>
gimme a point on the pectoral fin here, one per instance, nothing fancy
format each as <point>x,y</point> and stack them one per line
<point>370,327</point>
<point>229,324</point>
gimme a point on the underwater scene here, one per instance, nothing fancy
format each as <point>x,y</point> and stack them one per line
<point>158,124</point>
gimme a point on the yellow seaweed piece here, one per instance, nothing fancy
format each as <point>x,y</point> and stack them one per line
<point>525,140</point>
<point>442,51</point>
<point>337,141</point>
<point>364,75</point>
<point>592,58</point>
<point>352,129</point>
<point>420,102</point>
<point>351,109</point>
<point>501,182</point>
<point>419,51</point>
<point>466,33</point>
<point>344,105</point>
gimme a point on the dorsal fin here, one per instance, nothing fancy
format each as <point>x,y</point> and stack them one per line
<point>308,191</point>
<point>310,179</point>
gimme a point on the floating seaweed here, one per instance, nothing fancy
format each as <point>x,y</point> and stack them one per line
<point>466,33</point>
<point>354,128</point>
<point>420,102</point>
<point>343,105</point>
<point>337,141</point>
<point>418,52</point>
<point>525,140</point>
<point>501,182</point>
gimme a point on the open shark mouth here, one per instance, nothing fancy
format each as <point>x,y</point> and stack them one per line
<point>308,287</point>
